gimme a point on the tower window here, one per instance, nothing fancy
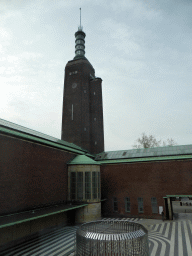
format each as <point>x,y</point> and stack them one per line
<point>94,93</point>
<point>79,47</point>
<point>94,118</point>
<point>85,129</point>
<point>72,73</point>
<point>72,112</point>
<point>80,37</point>
<point>79,52</point>
<point>95,142</point>
<point>74,85</point>
<point>85,91</point>
<point>80,42</point>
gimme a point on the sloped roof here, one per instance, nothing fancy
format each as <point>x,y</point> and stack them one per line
<point>145,152</point>
<point>145,159</point>
<point>82,159</point>
<point>32,135</point>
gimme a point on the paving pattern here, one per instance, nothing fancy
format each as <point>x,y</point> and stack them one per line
<point>58,242</point>
<point>169,238</point>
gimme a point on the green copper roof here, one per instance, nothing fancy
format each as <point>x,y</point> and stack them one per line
<point>15,130</point>
<point>178,195</point>
<point>144,159</point>
<point>82,159</point>
<point>145,153</point>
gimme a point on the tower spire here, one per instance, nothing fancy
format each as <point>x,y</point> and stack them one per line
<point>80,42</point>
<point>80,28</point>
<point>80,17</point>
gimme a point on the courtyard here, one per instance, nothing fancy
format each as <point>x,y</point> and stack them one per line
<point>166,238</point>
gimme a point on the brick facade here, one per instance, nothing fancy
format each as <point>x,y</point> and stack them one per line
<point>96,109</point>
<point>82,103</point>
<point>32,175</point>
<point>146,180</point>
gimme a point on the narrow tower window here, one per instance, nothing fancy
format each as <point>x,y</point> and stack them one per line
<point>72,112</point>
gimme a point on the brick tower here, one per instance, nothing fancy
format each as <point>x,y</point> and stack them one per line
<point>82,119</point>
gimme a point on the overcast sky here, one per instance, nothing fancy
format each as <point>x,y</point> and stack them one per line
<point>142,50</point>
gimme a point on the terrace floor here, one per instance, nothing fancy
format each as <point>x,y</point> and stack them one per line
<point>166,238</point>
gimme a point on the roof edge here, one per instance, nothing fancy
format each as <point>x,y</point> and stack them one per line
<point>39,140</point>
<point>142,159</point>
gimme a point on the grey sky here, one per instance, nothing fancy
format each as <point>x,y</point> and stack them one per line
<point>141,49</point>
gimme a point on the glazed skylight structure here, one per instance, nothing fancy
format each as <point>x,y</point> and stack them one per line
<point>145,152</point>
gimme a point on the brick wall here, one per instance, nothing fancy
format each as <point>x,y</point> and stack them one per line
<point>82,122</point>
<point>96,109</point>
<point>146,180</point>
<point>32,175</point>
<point>76,93</point>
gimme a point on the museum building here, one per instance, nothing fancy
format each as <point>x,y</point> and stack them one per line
<point>47,182</point>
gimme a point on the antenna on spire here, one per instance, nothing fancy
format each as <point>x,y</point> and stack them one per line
<point>80,28</point>
<point>80,17</point>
